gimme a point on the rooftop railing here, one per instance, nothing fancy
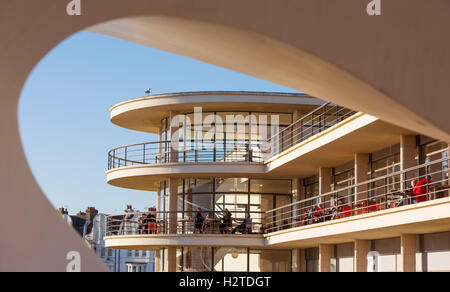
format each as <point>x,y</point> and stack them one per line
<point>179,222</point>
<point>319,120</point>
<point>430,182</point>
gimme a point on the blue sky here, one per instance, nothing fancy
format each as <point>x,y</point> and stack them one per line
<point>64,120</point>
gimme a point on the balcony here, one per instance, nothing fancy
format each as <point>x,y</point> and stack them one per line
<point>193,151</point>
<point>157,229</point>
<point>385,206</point>
<point>317,121</point>
<point>142,166</point>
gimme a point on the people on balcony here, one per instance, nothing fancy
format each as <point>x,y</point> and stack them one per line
<point>225,225</point>
<point>207,224</point>
<point>318,214</point>
<point>245,227</point>
<point>421,189</point>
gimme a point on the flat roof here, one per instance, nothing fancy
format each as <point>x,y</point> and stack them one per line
<point>145,113</point>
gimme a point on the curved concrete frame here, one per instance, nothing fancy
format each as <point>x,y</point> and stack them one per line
<point>386,66</point>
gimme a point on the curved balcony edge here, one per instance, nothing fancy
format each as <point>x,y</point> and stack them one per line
<point>157,241</point>
<point>147,176</point>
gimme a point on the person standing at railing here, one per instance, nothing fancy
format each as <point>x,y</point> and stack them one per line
<point>198,221</point>
<point>248,224</point>
<point>421,189</point>
<point>207,223</point>
<point>227,220</point>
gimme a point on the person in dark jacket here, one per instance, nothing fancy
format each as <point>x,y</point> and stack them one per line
<point>198,221</point>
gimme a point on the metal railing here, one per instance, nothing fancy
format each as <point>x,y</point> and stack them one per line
<point>319,120</point>
<point>180,222</point>
<point>413,185</point>
<point>194,152</point>
<point>197,151</point>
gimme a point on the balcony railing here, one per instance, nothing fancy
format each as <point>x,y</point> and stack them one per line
<point>319,120</point>
<point>194,152</point>
<point>179,222</point>
<point>431,181</point>
<point>197,151</point>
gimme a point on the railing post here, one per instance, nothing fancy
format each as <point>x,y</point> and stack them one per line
<point>126,150</point>
<point>143,154</point>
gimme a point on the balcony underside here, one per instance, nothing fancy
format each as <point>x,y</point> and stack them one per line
<point>147,176</point>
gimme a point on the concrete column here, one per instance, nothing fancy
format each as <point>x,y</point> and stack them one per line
<point>298,260</point>
<point>325,185</point>
<point>158,203</point>
<point>157,261</point>
<point>408,152</point>
<point>448,156</point>
<point>174,138</point>
<point>173,205</point>
<point>325,257</point>
<point>408,252</point>
<point>171,259</point>
<point>361,175</point>
<point>159,157</point>
<point>295,260</point>
<point>360,255</point>
<point>298,194</point>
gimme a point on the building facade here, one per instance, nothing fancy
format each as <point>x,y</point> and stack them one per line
<point>262,182</point>
<point>117,260</point>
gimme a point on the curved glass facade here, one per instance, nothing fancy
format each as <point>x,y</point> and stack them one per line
<point>221,136</point>
<point>230,259</point>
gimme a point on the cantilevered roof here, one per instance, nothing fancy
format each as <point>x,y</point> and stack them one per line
<point>145,113</point>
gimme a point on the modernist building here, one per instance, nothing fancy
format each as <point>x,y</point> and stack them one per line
<point>323,187</point>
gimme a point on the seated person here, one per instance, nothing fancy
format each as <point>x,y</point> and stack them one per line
<point>318,214</point>
<point>225,225</point>
<point>305,218</point>
<point>262,229</point>
<point>241,228</point>
<point>207,223</point>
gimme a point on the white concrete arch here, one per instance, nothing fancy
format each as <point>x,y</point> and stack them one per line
<point>385,66</point>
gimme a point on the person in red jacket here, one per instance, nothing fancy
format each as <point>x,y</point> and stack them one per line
<point>421,189</point>
<point>318,214</point>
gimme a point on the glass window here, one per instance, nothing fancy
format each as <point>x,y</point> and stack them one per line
<point>197,259</point>
<point>312,259</point>
<point>270,186</point>
<point>342,181</point>
<point>224,185</point>
<point>380,169</point>
<point>230,259</point>
<point>270,261</point>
